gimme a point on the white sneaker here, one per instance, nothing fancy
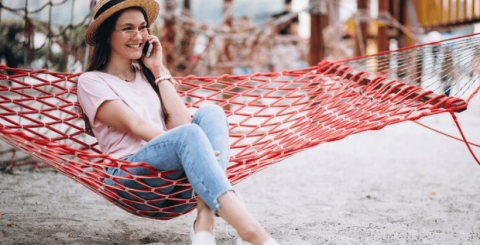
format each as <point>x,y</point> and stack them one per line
<point>240,241</point>
<point>270,241</point>
<point>202,237</point>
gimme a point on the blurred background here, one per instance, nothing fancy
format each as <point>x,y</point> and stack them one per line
<point>214,37</point>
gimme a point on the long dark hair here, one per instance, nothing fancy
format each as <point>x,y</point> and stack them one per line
<point>100,55</point>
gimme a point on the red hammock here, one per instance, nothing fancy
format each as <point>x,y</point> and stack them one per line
<point>271,117</point>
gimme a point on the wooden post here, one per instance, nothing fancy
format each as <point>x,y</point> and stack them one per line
<point>183,63</point>
<point>168,36</point>
<point>394,12</point>
<point>382,38</point>
<point>362,34</point>
<point>318,21</point>
<point>228,22</point>
<point>401,15</point>
<point>226,49</point>
<point>412,63</point>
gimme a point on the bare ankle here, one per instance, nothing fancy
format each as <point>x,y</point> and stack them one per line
<point>205,222</point>
<point>254,235</point>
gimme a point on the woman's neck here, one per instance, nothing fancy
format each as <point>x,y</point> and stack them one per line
<point>119,67</point>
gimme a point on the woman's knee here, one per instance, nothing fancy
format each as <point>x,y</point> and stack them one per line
<point>192,131</point>
<point>212,111</point>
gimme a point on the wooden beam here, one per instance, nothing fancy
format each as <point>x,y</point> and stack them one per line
<point>450,26</point>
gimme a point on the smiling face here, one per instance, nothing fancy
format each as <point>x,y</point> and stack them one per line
<point>123,46</point>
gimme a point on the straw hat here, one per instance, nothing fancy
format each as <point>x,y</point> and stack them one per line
<point>106,8</point>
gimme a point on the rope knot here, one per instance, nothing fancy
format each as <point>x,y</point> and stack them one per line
<point>455,104</point>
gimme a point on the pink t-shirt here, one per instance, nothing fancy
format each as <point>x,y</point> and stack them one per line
<point>96,87</point>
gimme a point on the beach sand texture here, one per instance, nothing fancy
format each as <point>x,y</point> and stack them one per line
<point>403,184</point>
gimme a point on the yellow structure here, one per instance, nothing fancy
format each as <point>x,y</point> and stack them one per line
<point>433,13</point>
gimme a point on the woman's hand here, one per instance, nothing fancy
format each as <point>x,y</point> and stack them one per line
<point>155,61</point>
<point>217,154</point>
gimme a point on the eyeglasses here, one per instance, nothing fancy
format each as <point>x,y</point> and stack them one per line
<point>133,33</point>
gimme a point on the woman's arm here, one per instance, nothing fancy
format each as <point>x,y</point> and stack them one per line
<point>172,102</point>
<point>116,114</point>
<point>174,105</point>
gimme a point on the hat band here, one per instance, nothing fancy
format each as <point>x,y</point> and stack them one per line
<point>106,6</point>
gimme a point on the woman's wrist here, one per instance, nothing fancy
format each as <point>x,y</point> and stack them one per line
<point>160,71</point>
<point>166,77</point>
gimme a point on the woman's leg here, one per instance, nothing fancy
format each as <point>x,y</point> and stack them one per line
<point>183,148</point>
<point>213,122</point>
<point>188,148</point>
<point>234,212</point>
<point>205,220</point>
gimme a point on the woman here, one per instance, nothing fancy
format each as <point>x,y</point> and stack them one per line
<point>136,115</point>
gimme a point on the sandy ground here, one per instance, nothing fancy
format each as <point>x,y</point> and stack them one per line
<point>400,185</point>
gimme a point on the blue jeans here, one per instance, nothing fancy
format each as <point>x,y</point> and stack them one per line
<point>190,150</point>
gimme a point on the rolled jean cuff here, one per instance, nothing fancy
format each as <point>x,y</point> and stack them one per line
<point>215,204</point>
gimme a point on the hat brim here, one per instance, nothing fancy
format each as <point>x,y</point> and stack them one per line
<point>150,7</point>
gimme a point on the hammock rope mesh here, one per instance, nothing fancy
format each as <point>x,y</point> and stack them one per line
<point>271,116</point>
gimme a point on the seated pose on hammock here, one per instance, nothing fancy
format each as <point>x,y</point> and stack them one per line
<point>136,115</point>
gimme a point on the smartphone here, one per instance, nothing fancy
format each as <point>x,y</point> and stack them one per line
<point>147,49</point>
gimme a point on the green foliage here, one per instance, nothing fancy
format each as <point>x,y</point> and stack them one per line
<point>10,48</point>
<point>12,45</point>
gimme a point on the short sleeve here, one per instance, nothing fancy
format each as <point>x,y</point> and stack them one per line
<point>92,92</point>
